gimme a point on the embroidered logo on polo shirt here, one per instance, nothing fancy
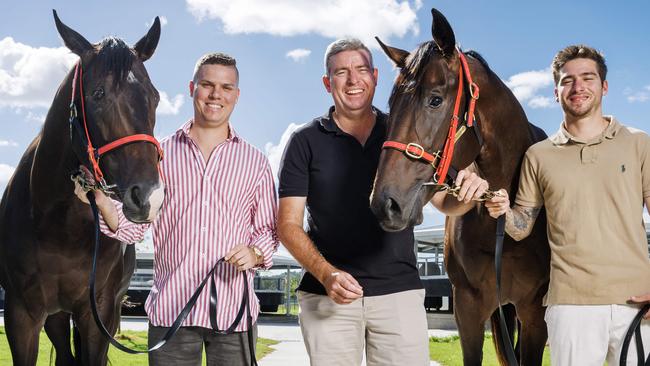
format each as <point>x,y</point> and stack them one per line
<point>622,168</point>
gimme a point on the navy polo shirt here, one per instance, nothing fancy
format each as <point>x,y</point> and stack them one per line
<point>336,174</point>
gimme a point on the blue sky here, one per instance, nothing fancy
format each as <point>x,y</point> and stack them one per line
<point>279,46</point>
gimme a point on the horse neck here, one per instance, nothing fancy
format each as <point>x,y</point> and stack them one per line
<point>505,131</point>
<point>54,159</point>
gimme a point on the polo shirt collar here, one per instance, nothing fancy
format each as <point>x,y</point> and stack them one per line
<point>328,123</point>
<point>184,130</point>
<point>563,137</point>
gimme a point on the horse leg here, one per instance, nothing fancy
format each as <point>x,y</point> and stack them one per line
<point>94,345</point>
<point>22,331</point>
<point>470,319</point>
<point>533,334</point>
<point>57,328</point>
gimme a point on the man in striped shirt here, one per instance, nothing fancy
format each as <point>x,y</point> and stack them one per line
<point>220,202</point>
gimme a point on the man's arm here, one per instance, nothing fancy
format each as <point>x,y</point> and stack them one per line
<point>472,186</point>
<point>263,223</point>
<point>112,221</point>
<point>643,299</point>
<point>519,219</point>
<point>340,286</point>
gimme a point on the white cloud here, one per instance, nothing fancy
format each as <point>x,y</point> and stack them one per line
<point>30,76</point>
<point>274,152</point>
<point>540,102</point>
<point>363,19</point>
<point>299,54</point>
<point>639,96</point>
<point>526,86</point>
<point>169,106</point>
<point>8,143</point>
<point>6,171</point>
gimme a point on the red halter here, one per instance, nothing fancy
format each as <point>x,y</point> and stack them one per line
<point>417,152</point>
<point>95,154</point>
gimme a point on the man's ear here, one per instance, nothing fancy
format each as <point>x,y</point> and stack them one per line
<point>326,82</point>
<point>191,88</point>
<point>605,87</point>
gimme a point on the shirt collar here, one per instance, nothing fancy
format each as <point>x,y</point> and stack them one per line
<point>328,123</point>
<point>184,130</point>
<point>563,137</point>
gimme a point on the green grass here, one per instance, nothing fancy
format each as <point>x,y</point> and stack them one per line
<point>135,340</point>
<point>447,352</point>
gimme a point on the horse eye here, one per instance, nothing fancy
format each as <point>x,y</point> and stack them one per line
<point>435,102</point>
<point>98,93</point>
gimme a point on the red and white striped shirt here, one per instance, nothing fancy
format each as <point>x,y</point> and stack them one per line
<point>210,207</point>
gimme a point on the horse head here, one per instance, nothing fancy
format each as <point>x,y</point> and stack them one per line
<point>115,99</point>
<point>422,106</point>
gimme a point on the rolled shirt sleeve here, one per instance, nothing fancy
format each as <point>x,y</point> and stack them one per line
<point>264,217</point>
<point>127,231</point>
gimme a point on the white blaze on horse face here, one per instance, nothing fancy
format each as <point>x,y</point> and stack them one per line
<point>131,78</point>
<point>155,201</point>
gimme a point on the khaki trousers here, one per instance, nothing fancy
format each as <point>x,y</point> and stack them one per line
<point>393,329</point>
<point>590,334</point>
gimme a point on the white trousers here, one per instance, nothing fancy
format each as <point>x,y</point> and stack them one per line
<point>590,334</point>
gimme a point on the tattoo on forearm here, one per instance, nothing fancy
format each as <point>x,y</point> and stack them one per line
<point>520,223</point>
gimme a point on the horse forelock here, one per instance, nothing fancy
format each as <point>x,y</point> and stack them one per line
<point>412,73</point>
<point>114,57</point>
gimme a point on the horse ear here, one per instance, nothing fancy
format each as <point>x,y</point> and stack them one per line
<point>397,55</point>
<point>73,40</point>
<point>442,33</point>
<point>147,44</point>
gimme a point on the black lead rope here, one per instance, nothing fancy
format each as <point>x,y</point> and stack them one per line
<point>186,310</point>
<point>504,334</point>
<point>635,329</point>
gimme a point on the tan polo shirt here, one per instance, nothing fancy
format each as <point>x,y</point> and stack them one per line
<point>593,192</point>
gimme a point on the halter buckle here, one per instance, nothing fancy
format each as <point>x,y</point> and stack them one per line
<point>411,154</point>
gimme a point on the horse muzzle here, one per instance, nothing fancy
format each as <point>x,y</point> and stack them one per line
<point>395,212</point>
<point>142,203</point>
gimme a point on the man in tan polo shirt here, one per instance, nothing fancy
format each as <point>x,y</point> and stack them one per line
<point>593,177</point>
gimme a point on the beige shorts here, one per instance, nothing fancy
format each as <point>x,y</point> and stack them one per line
<point>392,328</point>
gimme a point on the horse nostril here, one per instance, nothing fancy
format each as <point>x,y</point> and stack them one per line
<point>392,207</point>
<point>134,194</point>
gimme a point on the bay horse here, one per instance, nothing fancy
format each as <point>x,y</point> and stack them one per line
<point>421,107</point>
<point>46,232</point>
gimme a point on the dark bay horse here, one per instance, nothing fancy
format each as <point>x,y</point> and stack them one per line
<point>421,105</point>
<point>46,233</point>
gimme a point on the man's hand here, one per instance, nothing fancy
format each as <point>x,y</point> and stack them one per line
<point>242,257</point>
<point>342,287</point>
<point>643,299</point>
<point>499,204</point>
<point>472,186</point>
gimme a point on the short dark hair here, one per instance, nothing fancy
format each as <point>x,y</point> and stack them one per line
<point>578,51</point>
<point>215,58</point>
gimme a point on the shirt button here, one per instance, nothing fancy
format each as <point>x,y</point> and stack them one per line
<point>205,203</point>
<point>204,229</point>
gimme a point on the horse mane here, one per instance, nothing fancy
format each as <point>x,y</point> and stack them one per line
<point>114,57</point>
<point>480,58</point>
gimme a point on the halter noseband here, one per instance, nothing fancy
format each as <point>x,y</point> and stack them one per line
<point>441,160</point>
<point>94,154</point>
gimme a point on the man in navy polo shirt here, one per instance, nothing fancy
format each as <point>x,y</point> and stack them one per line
<point>362,287</point>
